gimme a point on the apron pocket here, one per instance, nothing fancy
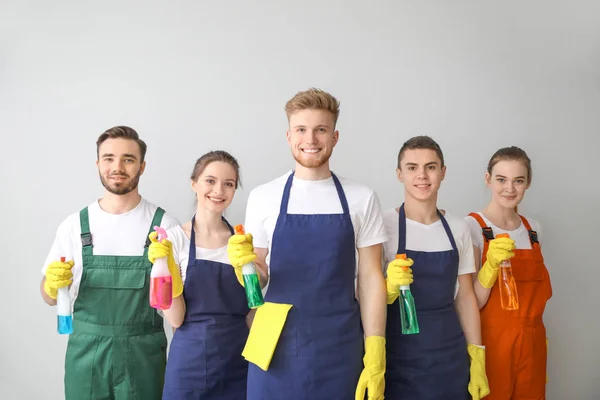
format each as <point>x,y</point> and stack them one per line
<point>186,365</point>
<point>104,278</point>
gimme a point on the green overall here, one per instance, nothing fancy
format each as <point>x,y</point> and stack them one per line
<point>118,346</point>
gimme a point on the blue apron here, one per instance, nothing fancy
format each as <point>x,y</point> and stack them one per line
<point>432,364</point>
<point>312,266</point>
<point>205,360</point>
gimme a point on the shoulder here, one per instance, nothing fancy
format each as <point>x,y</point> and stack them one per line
<point>535,225</point>
<point>390,216</point>
<point>459,227</point>
<point>354,188</point>
<point>267,189</point>
<point>70,225</point>
<point>149,209</point>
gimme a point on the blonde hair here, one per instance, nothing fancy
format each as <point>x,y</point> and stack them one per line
<point>313,99</point>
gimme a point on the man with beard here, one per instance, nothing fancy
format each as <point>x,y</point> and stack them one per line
<point>315,236</point>
<point>118,346</point>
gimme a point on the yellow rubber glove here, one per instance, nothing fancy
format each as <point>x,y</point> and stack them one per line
<point>165,249</point>
<point>499,249</point>
<point>399,274</point>
<point>478,384</point>
<point>240,252</point>
<point>58,275</point>
<point>372,378</point>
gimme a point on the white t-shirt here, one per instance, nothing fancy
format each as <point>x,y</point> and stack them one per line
<point>430,238</point>
<point>314,197</point>
<point>519,235</point>
<point>112,234</point>
<point>181,251</point>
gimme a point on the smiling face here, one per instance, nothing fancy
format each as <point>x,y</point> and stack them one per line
<point>508,181</point>
<point>421,172</point>
<point>312,137</point>
<point>119,165</point>
<point>215,186</point>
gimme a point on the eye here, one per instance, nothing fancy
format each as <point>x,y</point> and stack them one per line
<point>229,184</point>
<point>501,180</point>
<point>431,167</point>
<point>108,159</point>
<point>301,130</point>
<point>520,181</point>
<point>321,129</point>
<point>129,160</point>
<point>411,168</point>
<point>211,181</point>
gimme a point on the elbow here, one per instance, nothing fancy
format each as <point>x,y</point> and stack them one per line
<point>177,323</point>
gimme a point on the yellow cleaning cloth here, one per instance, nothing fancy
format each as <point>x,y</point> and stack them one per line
<point>264,333</point>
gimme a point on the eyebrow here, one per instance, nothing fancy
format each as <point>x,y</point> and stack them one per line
<point>516,177</point>
<point>412,164</point>
<point>214,177</point>
<point>318,126</point>
<point>127,155</point>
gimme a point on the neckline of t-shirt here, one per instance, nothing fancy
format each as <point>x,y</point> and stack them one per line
<point>497,228</point>
<point>111,215</point>
<point>413,222</point>
<point>203,249</point>
<point>305,183</point>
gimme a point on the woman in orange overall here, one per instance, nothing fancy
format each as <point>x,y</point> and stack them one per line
<point>515,341</point>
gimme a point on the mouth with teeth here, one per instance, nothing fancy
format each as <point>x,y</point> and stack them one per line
<point>310,151</point>
<point>423,186</point>
<point>216,200</point>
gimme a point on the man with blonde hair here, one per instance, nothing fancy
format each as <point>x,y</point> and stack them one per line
<point>315,236</point>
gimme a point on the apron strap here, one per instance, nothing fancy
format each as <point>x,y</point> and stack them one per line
<point>192,253</point>
<point>158,214</point>
<point>448,232</point>
<point>533,236</point>
<point>288,186</point>
<point>86,236</point>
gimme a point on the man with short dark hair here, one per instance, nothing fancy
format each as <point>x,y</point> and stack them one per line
<point>118,346</point>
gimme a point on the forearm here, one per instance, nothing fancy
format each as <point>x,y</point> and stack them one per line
<point>176,314</point>
<point>47,299</point>
<point>468,313</point>
<point>373,305</point>
<point>482,294</point>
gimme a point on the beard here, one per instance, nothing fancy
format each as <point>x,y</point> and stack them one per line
<point>122,188</point>
<point>314,162</point>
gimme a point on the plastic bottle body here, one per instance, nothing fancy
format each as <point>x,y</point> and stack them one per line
<point>509,298</point>
<point>252,286</point>
<point>64,316</point>
<point>161,285</point>
<point>408,312</point>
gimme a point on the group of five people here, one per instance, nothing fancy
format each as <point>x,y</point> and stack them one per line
<point>322,245</point>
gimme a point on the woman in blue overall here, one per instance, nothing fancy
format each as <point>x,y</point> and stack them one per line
<point>205,361</point>
<point>434,363</point>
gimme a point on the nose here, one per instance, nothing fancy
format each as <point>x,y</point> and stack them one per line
<point>311,137</point>
<point>218,188</point>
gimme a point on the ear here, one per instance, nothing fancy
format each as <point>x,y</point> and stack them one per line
<point>443,172</point>
<point>336,137</point>
<point>142,167</point>
<point>488,179</point>
<point>399,175</point>
<point>288,135</point>
<point>193,185</point>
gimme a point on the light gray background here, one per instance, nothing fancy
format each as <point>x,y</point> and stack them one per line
<point>195,76</point>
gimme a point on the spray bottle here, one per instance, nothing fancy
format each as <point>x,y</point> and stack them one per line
<point>408,312</point>
<point>161,281</point>
<point>64,315</point>
<point>251,280</point>
<point>509,298</point>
